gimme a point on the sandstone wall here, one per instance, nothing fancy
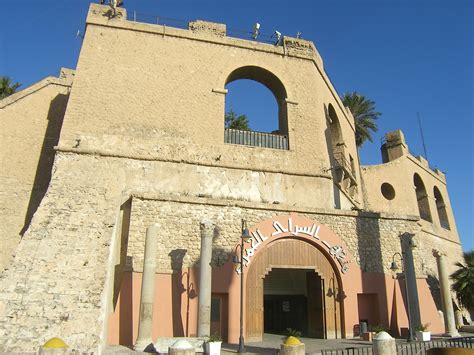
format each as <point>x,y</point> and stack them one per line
<point>399,173</point>
<point>31,122</point>
<point>142,142</point>
<point>54,286</point>
<point>168,98</point>
<point>62,279</point>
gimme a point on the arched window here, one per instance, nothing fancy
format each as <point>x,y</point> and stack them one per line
<point>422,198</point>
<point>337,142</point>
<point>441,207</point>
<point>270,130</point>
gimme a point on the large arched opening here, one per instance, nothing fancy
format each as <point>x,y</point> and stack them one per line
<point>273,133</point>
<point>293,284</point>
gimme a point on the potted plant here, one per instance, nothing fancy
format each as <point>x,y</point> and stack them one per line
<point>369,336</point>
<point>292,333</point>
<point>291,343</point>
<point>422,333</point>
<point>213,344</point>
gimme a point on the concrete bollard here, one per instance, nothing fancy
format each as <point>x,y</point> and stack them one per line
<point>53,346</point>
<point>292,346</point>
<point>384,344</point>
<point>181,347</point>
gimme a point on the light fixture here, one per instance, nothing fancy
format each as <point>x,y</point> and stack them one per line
<point>394,266</point>
<point>278,37</point>
<point>256,30</point>
<point>245,232</point>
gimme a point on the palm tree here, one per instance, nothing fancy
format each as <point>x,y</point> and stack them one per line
<point>234,121</point>
<point>364,114</point>
<point>463,279</point>
<point>7,87</point>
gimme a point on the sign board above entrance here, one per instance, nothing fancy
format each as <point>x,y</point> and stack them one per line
<point>288,229</point>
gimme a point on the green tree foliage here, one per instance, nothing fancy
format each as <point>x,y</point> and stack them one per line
<point>463,279</point>
<point>7,87</point>
<point>234,121</point>
<point>364,114</point>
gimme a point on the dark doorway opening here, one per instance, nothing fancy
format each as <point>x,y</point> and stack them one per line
<point>219,315</point>
<point>293,298</point>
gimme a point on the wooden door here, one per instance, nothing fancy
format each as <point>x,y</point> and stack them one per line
<point>315,289</point>
<point>291,253</point>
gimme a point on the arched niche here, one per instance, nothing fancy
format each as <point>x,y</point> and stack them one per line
<point>335,129</point>
<point>441,207</point>
<point>422,198</point>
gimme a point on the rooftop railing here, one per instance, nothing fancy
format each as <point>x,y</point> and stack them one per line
<point>183,24</point>
<point>256,139</point>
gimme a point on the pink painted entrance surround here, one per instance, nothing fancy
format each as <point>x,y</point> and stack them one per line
<point>123,322</point>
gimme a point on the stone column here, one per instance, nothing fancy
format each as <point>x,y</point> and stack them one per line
<point>205,279</point>
<point>448,312</point>
<point>413,305</point>
<point>148,289</point>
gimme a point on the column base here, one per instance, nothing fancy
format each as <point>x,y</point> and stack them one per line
<point>454,334</point>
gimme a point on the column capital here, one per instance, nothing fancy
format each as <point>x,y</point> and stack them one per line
<point>438,253</point>
<point>207,226</point>
<point>207,223</point>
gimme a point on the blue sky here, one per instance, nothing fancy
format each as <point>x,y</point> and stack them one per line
<point>408,56</point>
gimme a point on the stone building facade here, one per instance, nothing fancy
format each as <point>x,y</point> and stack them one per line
<point>139,138</point>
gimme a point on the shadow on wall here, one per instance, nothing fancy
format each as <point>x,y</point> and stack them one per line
<point>177,289</point>
<point>182,284</point>
<point>126,309</point>
<point>334,144</point>
<point>372,303</point>
<point>433,284</point>
<point>46,159</point>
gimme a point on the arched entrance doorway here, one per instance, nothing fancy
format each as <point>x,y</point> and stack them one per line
<point>292,284</point>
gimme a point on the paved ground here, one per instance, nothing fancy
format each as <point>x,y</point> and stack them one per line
<point>271,344</point>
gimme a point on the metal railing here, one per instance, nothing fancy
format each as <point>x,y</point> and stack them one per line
<point>341,161</point>
<point>412,348</point>
<point>183,24</point>
<point>157,20</point>
<point>422,347</point>
<point>366,350</point>
<point>255,139</point>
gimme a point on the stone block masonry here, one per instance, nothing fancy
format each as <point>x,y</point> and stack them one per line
<point>55,283</point>
<point>157,155</point>
<point>55,286</point>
